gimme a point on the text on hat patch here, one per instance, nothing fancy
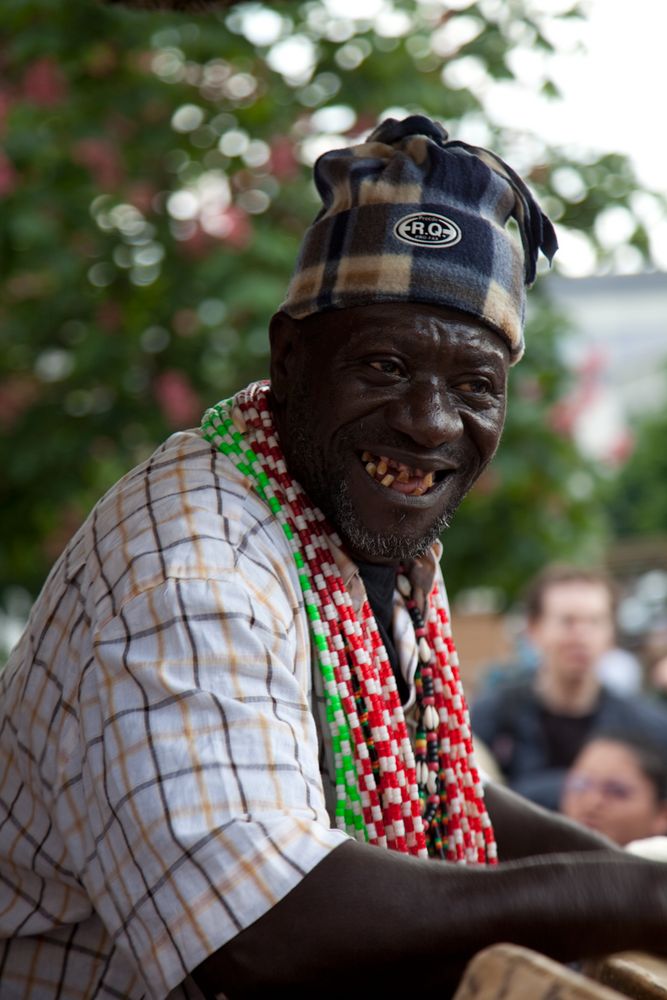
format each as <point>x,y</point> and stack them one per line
<point>427,229</point>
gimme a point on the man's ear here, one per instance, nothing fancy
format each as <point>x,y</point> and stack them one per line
<point>284,338</point>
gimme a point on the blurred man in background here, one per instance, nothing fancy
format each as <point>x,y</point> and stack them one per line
<point>536,726</point>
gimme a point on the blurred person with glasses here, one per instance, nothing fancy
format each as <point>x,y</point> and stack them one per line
<point>617,786</point>
<point>536,724</point>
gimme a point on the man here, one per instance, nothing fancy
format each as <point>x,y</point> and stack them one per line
<point>210,738</point>
<point>535,726</point>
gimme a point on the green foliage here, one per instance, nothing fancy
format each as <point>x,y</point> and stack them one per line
<point>124,310</point>
<point>539,500</point>
<point>636,498</point>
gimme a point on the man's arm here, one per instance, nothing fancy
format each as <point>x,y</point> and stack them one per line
<point>525,830</point>
<point>370,919</point>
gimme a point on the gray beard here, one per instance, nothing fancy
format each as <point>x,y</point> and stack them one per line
<point>335,502</point>
<point>386,546</point>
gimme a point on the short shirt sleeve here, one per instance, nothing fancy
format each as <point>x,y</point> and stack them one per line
<point>201,786</point>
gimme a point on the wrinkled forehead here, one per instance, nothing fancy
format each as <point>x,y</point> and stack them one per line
<point>413,327</point>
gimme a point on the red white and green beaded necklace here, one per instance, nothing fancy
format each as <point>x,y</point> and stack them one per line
<point>427,801</point>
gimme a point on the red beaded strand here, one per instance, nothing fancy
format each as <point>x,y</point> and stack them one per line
<point>392,791</point>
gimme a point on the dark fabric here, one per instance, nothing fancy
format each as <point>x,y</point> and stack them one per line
<point>408,216</point>
<point>380,583</point>
<point>510,721</point>
<point>564,735</point>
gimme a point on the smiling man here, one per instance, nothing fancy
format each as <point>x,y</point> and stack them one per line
<point>236,752</point>
<point>388,430</point>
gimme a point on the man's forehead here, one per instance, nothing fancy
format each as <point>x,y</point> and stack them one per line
<point>408,326</point>
<point>574,595</point>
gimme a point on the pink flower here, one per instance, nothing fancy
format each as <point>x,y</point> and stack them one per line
<point>141,195</point>
<point>102,160</point>
<point>236,228</point>
<point>44,83</point>
<point>283,163</point>
<point>562,417</point>
<point>176,397</point>
<point>621,449</point>
<point>231,224</point>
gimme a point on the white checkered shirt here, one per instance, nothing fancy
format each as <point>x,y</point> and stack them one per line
<point>162,783</point>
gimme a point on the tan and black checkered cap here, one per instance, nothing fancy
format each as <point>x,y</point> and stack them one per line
<point>409,216</point>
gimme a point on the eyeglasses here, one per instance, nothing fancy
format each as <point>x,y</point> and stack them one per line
<point>579,784</point>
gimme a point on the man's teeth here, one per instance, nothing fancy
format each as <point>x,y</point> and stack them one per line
<point>386,472</point>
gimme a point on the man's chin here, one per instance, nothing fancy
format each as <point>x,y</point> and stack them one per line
<point>397,542</point>
<point>386,547</point>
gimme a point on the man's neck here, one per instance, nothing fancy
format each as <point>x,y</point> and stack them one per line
<point>577,696</point>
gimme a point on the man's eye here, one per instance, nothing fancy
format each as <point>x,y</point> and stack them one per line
<point>476,386</point>
<point>387,366</point>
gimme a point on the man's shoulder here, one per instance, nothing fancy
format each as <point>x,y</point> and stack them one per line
<point>636,710</point>
<point>184,480</point>
<point>185,513</point>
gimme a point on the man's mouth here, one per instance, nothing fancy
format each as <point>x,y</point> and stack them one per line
<point>398,476</point>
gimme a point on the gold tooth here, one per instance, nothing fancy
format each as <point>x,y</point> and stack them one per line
<point>366,457</point>
<point>388,479</point>
<point>418,492</point>
<point>428,481</point>
<point>403,476</point>
<point>371,469</point>
<point>382,467</point>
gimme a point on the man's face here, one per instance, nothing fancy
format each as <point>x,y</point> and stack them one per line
<point>574,629</point>
<point>411,394</point>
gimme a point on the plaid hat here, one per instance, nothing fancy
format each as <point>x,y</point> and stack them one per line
<point>409,216</point>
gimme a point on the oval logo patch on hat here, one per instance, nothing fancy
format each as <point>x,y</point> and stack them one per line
<point>427,229</point>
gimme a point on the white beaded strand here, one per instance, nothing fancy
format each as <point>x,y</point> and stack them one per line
<point>378,783</point>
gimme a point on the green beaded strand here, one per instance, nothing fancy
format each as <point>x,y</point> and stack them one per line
<point>348,806</point>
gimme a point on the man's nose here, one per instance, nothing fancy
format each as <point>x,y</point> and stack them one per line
<point>427,415</point>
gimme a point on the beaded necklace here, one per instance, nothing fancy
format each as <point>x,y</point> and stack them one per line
<point>426,802</point>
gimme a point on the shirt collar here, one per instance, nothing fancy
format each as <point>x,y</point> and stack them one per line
<point>421,572</point>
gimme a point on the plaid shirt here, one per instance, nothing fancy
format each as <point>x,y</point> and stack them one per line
<point>163,780</point>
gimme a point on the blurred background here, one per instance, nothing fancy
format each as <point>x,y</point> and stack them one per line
<point>154,183</point>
